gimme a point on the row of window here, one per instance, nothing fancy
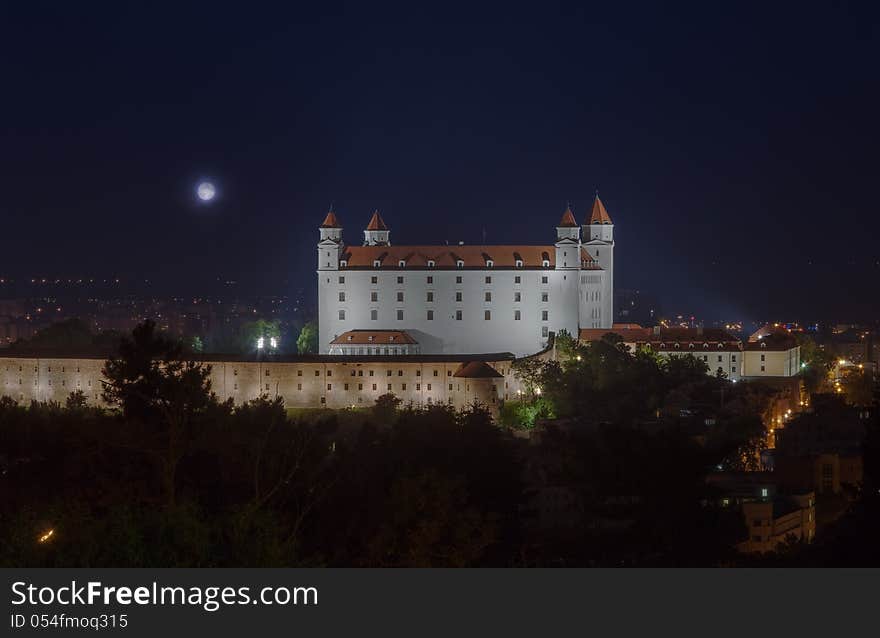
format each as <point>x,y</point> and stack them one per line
<point>545,263</point>
<point>458,279</point>
<point>429,296</point>
<point>375,386</point>
<point>487,315</point>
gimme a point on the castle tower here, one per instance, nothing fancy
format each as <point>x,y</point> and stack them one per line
<point>568,227</point>
<point>330,243</point>
<point>377,233</point>
<point>599,242</point>
<point>565,292</point>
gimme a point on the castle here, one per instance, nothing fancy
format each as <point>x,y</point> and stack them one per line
<point>433,324</point>
<point>384,299</point>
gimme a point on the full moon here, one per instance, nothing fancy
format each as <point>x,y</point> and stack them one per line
<point>206,191</point>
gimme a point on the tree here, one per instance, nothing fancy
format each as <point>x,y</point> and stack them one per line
<point>153,385</point>
<point>307,342</point>
<point>386,407</point>
<point>76,400</point>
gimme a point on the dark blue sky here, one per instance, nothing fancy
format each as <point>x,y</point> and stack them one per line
<point>735,146</point>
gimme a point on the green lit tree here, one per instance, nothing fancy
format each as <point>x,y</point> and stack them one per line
<point>307,342</point>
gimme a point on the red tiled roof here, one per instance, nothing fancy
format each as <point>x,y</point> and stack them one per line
<point>568,220</point>
<point>374,337</point>
<point>449,256</point>
<point>629,335</point>
<point>599,215</point>
<point>667,338</point>
<point>477,370</point>
<point>774,342</point>
<point>376,222</point>
<point>330,221</point>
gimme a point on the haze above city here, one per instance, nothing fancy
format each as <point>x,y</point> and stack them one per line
<point>733,146</point>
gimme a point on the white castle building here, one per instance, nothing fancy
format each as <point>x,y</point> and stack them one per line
<point>383,299</point>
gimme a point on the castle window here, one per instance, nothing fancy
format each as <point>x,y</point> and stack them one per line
<point>545,332</point>
<point>342,315</point>
<point>430,265</point>
<point>490,263</point>
<point>544,315</point>
<point>376,263</point>
<point>370,338</point>
<point>317,373</point>
<point>435,373</point>
<point>677,346</point>
<point>691,346</point>
<point>374,315</point>
<point>400,280</point>
<point>400,315</point>
<point>400,373</point>
<point>517,296</point>
<point>458,296</point>
<point>519,263</point>
<point>545,263</point>
<point>343,263</point>
<point>430,296</point>
<point>430,315</point>
<point>459,263</point>
<point>517,279</point>
<point>458,315</point>
<point>544,279</point>
<point>374,296</point>
<point>299,373</point>
<point>762,357</point>
<point>349,337</point>
<point>374,279</point>
<point>345,386</point>
<point>341,296</point>
<point>430,280</point>
<point>401,263</point>
<point>545,297</point>
<point>487,315</point>
<point>517,315</point>
<point>488,296</point>
<point>719,358</point>
<point>488,279</point>
<point>733,357</point>
<point>329,386</point>
<point>399,296</point>
<point>342,280</point>
<point>458,279</point>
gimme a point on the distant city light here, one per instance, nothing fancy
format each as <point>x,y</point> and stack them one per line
<point>46,536</point>
<point>206,191</point>
<point>261,343</point>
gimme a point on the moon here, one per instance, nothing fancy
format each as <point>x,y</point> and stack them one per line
<point>206,191</point>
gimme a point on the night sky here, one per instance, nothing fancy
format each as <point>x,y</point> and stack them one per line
<point>736,147</point>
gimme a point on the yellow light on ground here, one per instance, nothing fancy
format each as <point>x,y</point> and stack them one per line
<point>46,536</point>
<point>538,391</point>
<point>842,362</point>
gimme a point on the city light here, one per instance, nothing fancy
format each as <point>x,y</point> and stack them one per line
<point>46,536</point>
<point>261,342</point>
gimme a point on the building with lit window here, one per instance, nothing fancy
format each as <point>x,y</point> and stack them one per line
<point>463,298</point>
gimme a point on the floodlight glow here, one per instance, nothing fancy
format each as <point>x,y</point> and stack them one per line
<point>273,342</point>
<point>260,343</point>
